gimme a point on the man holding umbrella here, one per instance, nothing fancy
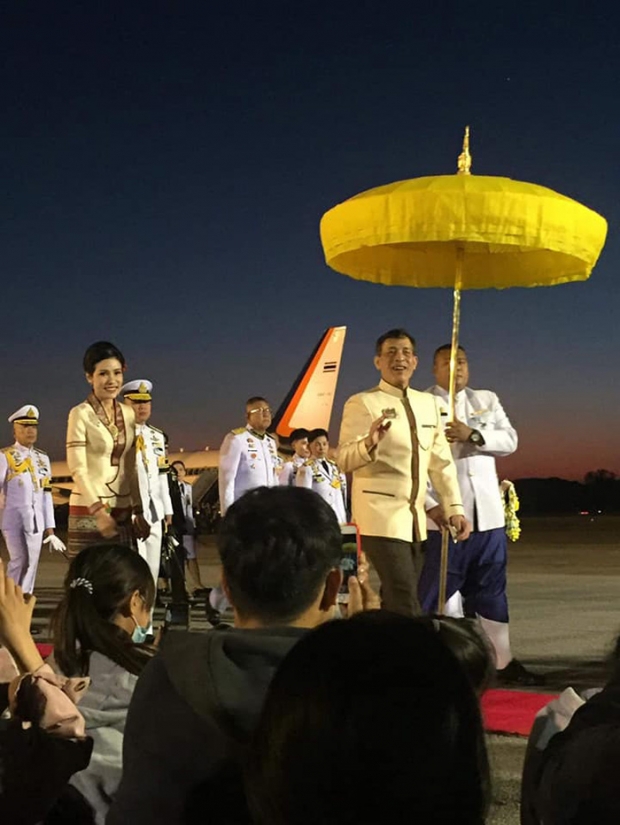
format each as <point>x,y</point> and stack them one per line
<point>480,432</point>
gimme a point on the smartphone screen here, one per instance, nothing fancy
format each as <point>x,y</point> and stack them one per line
<point>350,559</point>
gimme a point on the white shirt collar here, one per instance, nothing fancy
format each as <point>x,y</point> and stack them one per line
<point>21,448</point>
<point>437,390</point>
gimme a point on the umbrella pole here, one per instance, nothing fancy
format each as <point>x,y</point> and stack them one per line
<point>454,345</point>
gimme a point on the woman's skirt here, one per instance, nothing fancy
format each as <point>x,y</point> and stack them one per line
<point>83,530</point>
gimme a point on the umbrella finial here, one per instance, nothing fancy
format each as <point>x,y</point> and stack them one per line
<point>464,161</point>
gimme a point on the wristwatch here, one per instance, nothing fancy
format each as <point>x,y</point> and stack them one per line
<point>476,438</point>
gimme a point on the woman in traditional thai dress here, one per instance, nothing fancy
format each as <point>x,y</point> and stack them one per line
<point>105,502</point>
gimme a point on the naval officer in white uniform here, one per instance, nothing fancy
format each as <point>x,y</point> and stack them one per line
<point>322,475</point>
<point>152,467</point>
<point>480,433</point>
<point>26,504</point>
<point>248,455</point>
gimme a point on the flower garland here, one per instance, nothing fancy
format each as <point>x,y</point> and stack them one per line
<point>511,505</point>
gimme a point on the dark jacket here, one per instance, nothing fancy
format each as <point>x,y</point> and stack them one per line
<point>191,714</point>
<point>575,780</point>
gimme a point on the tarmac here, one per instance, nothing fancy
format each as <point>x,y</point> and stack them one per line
<point>563,587</point>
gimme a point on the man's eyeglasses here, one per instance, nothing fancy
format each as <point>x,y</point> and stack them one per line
<point>260,410</point>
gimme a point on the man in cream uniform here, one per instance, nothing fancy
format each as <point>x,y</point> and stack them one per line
<point>480,433</point>
<point>322,475</point>
<point>152,467</point>
<point>392,440</point>
<point>26,505</point>
<point>248,455</point>
<point>299,443</point>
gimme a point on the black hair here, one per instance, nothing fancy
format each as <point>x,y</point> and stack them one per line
<point>314,434</point>
<point>178,461</point>
<point>366,719</point>
<point>300,432</point>
<point>448,347</point>
<point>100,351</point>
<point>255,399</point>
<point>471,647</point>
<point>98,586</point>
<point>277,545</point>
<point>394,333</point>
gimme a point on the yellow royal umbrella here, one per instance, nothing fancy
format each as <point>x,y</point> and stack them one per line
<point>466,232</point>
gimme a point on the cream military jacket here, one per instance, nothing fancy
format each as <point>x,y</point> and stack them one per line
<point>329,483</point>
<point>102,461</point>
<point>26,503</point>
<point>247,461</point>
<point>389,483</point>
<point>481,410</point>
<point>152,466</point>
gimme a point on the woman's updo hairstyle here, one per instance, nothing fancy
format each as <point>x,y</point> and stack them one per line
<point>100,351</point>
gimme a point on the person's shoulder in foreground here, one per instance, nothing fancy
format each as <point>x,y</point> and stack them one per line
<point>575,781</point>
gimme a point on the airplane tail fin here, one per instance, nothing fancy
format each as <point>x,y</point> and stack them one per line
<point>311,398</point>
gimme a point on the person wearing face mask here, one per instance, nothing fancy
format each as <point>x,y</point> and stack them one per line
<point>392,440</point>
<point>26,506</point>
<point>248,455</point>
<point>322,475</point>
<point>105,504</point>
<point>99,630</point>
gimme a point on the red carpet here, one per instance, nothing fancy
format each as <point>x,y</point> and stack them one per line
<point>512,711</point>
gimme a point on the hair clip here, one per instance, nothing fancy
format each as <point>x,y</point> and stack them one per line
<point>81,582</point>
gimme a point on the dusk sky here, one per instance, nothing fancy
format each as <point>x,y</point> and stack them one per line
<point>165,167</point>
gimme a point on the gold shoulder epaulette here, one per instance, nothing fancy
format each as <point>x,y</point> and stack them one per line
<point>37,450</point>
<point>157,430</point>
<point>238,430</point>
<point>6,449</point>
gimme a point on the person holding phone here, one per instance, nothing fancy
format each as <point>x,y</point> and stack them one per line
<point>280,549</point>
<point>392,440</point>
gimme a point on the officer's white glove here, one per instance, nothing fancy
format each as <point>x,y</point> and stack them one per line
<point>55,543</point>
